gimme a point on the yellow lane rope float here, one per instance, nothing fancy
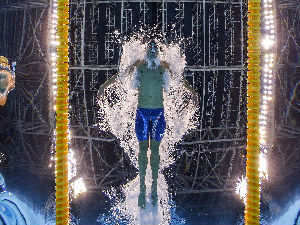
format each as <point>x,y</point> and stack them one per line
<point>62,114</point>
<point>253,106</point>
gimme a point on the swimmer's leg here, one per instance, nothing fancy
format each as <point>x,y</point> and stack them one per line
<point>142,133</point>
<point>154,162</point>
<point>143,160</point>
<point>156,134</point>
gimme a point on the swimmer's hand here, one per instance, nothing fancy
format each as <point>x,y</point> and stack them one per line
<point>100,92</point>
<point>114,78</point>
<point>192,91</point>
<point>195,99</point>
<point>109,82</point>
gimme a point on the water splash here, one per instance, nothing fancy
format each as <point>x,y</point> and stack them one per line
<point>125,210</point>
<point>119,103</point>
<point>180,112</point>
<point>117,114</point>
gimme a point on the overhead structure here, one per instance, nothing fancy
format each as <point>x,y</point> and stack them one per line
<point>15,5</point>
<point>288,62</point>
<point>210,159</point>
<point>287,93</point>
<point>25,119</point>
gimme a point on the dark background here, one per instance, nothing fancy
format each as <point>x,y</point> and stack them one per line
<point>27,120</point>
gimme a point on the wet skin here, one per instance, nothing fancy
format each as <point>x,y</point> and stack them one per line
<point>150,96</point>
<point>150,90</point>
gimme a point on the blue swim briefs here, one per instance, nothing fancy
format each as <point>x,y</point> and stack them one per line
<point>150,122</point>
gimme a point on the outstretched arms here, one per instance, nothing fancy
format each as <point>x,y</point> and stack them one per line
<point>165,65</point>
<point>193,92</point>
<point>114,78</point>
<point>110,81</point>
<point>186,84</point>
<point>136,64</point>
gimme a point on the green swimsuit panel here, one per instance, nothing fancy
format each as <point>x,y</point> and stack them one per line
<point>150,87</point>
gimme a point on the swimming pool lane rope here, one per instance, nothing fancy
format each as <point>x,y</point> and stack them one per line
<point>252,209</point>
<point>62,114</point>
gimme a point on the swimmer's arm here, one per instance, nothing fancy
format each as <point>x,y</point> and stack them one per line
<point>114,78</point>
<point>191,90</point>
<point>136,64</point>
<point>186,84</point>
<point>109,82</point>
<point>165,65</point>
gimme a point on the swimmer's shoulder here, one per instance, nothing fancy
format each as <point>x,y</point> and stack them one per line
<point>165,65</point>
<point>139,63</point>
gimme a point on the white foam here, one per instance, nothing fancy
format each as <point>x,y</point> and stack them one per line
<point>118,105</point>
<point>117,114</point>
<point>128,206</point>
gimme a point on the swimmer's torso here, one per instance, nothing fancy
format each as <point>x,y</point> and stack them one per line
<point>150,90</point>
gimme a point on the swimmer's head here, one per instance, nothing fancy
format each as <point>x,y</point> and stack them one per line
<point>152,50</point>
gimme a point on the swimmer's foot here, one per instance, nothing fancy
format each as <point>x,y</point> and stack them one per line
<point>142,197</point>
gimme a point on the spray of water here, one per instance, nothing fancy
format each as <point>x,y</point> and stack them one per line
<point>119,103</point>
<point>126,211</point>
<point>117,114</point>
